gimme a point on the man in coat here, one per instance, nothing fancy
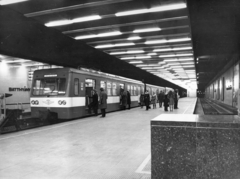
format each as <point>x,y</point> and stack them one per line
<point>176,97</point>
<point>129,99</point>
<point>103,102</point>
<point>147,99</point>
<point>160,98</point>
<point>95,102</point>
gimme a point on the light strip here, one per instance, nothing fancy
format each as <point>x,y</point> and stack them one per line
<point>171,60</point>
<point>134,38</point>
<point>151,10</point>
<point>76,20</point>
<point>152,54</point>
<point>142,57</point>
<point>172,49</point>
<point>117,53</point>
<point>98,35</point>
<point>147,30</point>
<point>6,2</point>
<point>165,41</point>
<point>16,61</point>
<point>115,45</point>
<point>135,51</point>
<point>175,55</point>
<point>185,59</point>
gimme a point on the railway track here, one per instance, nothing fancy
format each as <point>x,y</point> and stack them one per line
<point>214,108</point>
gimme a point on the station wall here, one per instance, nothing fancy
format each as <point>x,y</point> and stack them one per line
<point>225,88</point>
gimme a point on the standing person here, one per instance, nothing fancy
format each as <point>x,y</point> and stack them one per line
<point>124,99</point>
<point>129,99</point>
<point>154,100</point>
<point>166,102</point>
<point>176,97</point>
<point>142,100</point>
<point>95,102</point>
<point>103,102</point>
<point>147,99</point>
<point>171,99</point>
<point>160,98</point>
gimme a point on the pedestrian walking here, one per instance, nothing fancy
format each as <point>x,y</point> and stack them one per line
<point>154,100</point>
<point>103,102</point>
<point>147,99</point>
<point>160,98</point>
<point>166,102</point>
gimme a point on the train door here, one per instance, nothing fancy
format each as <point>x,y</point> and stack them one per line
<point>90,84</point>
<point>223,88</point>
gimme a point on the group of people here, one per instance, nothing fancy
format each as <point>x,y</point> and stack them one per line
<point>101,104</point>
<point>125,99</point>
<point>167,100</point>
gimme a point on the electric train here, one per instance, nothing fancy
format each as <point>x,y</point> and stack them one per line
<point>67,91</point>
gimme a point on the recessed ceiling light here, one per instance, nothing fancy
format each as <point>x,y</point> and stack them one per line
<point>147,30</point>
<point>134,38</point>
<point>113,45</point>
<point>6,2</point>
<point>151,10</point>
<point>76,20</point>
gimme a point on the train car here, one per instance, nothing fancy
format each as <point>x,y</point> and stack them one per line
<point>67,91</point>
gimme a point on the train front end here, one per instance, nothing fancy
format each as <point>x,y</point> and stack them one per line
<point>50,93</point>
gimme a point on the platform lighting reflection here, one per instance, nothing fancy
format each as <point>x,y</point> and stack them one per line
<point>6,2</point>
<point>98,35</point>
<point>134,38</point>
<point>154,9</point>
<point>166,41</point>
<point>147,30</point>
<point>76,20</point>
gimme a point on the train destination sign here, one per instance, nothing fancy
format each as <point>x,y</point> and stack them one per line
<point>18,89</point>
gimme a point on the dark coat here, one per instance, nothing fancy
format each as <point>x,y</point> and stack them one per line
<point>95,100</point>
<point>147,99</point>
<point>103,100</point>
<point>166,101</point>
<point>128,98</point>
<point>124,98</point>
<point>160,97</point>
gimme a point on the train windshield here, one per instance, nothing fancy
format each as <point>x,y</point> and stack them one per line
<point>50,86</point>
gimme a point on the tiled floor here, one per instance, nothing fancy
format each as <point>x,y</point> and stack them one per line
<point>115,147</point>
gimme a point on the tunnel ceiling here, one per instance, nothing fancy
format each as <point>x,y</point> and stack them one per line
<point>158,41</point>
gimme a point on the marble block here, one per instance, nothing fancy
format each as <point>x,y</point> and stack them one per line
<point>195,147</point>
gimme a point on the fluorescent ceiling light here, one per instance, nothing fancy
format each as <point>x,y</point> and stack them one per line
<point>87,18</point>
<point>176,66</point>
<point>134,38</point>
<point>123,44</point>
<point>135,51</point>
<point>58,23</point>
<point>115,45</point>
<point>6,2</point>
<point>175,55</point>
<point>170,60</point>
<point>186,66</point>
<point>182,48</point>
<point>127,58</point>
<point>147,65</point>
<point>162,50</point>
<point>179,40</point>
<point>98,35</point>
<point>155,41</point>
<point>151,10</point>
<point>188,63</point>
<point>117,53</point>
<point>76,20</point>
<point>16,61</point>
<point>132,62</point>
<point>147,30</point>
<point>173,63</point>
<point>104,46</point>
<point>165,41</point>
<point>142,57</point>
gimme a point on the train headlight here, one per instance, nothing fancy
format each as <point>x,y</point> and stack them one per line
<point>36,102</point>
<point>32,102</point>
<point>60,102</point>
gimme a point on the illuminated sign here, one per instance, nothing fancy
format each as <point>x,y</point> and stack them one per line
<point>50,75</point>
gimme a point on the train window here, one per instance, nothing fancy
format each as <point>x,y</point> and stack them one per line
<point>109,88</point>
<point>90,83</point>
<point>76,86</point>
<point>50,86</point>
<point>135,90</point>
<point>103,85</point>
<point>114,89</point>
<point>132,90</point>
<point>121,88</point>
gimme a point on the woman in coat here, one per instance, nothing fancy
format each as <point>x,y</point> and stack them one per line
<point>154,100</point>
<point>103,102</point>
